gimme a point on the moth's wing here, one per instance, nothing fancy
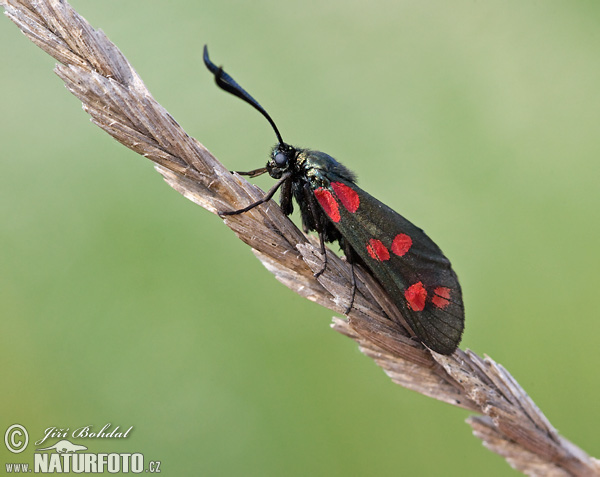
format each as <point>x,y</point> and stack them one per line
<point>409,265</point>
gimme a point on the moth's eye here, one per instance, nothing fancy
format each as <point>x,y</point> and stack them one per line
<point>280,159</point>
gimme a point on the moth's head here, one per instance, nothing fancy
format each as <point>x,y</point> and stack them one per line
<point>283,158</point>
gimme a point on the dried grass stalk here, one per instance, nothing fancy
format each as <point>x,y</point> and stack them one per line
<point>95,71</point>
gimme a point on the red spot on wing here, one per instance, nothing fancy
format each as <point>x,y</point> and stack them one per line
<point>377,250</point>
<point>442,291</point>
<point>327,201</point>
<point>401,244</point>
<point>415,296</point>
<point>347,195</point>
<point>441,297</point>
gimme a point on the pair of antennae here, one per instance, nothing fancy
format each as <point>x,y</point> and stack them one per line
<point>227,83</point>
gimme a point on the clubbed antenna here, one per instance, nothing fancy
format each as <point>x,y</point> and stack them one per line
<point>227,83</point>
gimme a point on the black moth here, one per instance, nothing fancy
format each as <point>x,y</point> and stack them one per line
<point>408,264</point>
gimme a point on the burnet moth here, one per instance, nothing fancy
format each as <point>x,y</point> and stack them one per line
<point>405,261</point>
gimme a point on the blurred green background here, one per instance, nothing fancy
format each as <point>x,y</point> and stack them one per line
<point>123,302</point>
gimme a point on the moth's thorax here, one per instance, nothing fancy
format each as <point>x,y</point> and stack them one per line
<point>320,168</point>
<point>313,165</point>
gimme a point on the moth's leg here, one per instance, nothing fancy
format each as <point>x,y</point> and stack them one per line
<point>285,200</point>
<point>266,198</point>
<point>319,226</point>
<point>350,258</point>
<point>254,173</point>
<point>324,253</point>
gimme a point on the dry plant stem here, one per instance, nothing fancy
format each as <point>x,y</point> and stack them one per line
<point>95,71</point>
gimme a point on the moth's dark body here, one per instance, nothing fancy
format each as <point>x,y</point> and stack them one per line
<point>406,262</point>
<point>440,329</point>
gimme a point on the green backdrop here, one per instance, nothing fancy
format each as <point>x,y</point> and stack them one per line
<point>122,302</point>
